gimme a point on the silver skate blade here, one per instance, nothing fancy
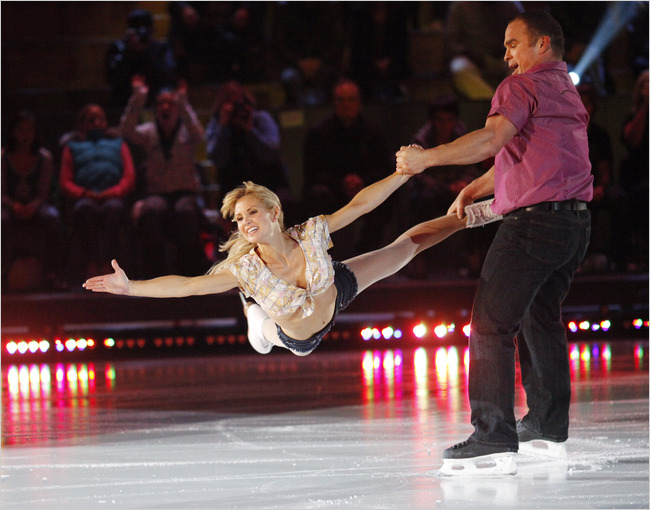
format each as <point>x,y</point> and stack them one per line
<point>480,214</point>
<point>543,448</point>
<point>496,464</point>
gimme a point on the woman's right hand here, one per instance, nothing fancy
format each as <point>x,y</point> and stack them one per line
<point>115,283</point>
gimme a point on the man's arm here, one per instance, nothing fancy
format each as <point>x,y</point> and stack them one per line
<point>473,147</point>
<point>480,187</point>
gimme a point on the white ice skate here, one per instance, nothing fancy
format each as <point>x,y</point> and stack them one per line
<point>495,464</point>
<point>543,448</point>
<point>532,443</point>
<point>471,458</point>
<point>480,213</point>
<point>255,317</point>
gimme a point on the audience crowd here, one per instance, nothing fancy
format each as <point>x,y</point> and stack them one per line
<point>136,190</point>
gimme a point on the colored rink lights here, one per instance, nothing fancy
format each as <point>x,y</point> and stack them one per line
<point>42,346</point>
<point>386,333</point>
<point>420,331</point>
<point>423,330</point>
<point>71,345</point>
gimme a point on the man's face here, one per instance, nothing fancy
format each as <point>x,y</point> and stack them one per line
<point>166,108</point>
<point>347,102</point>
<point>522,52</point>
<point>445,122</point>
<point>94,120</point>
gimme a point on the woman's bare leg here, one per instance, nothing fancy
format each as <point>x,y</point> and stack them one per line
<point>261,328</point>
<point>262,331</point>
<point>378,264</point>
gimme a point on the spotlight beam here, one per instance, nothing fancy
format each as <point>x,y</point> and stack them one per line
<point>618,14</point>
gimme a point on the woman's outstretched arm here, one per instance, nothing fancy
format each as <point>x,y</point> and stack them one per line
<point>163,286</point>
<point>365,201</point>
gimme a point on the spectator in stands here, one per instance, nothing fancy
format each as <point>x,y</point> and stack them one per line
<point>474,42</point>
<point>138,52</point>
<point>308,40</point>
<point>218,41</point>
<point>429,15</point>
<point>244,142</point>
<point>637,34</point>
<point>609,243</point>
<point>341,155</point>
<point>168,214</point>
<point>634,169</point>
<point>97,178</point>
<point>431,194</point>
<point>244,37</point>
<point>379,49</point>
<point>32,230</point>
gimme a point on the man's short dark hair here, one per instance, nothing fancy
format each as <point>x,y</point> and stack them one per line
<point>541,23</point>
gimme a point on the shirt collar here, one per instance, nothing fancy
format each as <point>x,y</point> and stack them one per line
<point>549,65</point>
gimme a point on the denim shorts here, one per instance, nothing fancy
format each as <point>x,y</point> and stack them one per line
<point>346,290</point>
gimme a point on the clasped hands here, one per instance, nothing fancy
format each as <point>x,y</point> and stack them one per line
<point>410,159</point>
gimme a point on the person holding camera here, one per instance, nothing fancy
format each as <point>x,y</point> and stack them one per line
<point>243,142</point>
<point>138,52</point>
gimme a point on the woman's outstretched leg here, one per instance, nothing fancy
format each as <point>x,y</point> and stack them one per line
<point>378,264</point>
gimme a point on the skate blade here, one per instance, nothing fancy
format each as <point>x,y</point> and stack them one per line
<point>480,214</point>
<point>497,464</point>
<point>543,448</point>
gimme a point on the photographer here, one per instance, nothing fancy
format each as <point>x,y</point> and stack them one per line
<point>138,52</point>
<point>244,142</point>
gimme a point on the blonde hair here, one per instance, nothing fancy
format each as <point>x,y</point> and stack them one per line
<point>237,245</point>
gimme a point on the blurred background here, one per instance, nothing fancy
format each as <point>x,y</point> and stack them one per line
<point>415,72</point>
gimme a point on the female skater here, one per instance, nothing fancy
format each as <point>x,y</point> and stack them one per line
<point>297,288</point>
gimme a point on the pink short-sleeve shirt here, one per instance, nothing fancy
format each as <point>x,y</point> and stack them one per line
<point>548,158</point>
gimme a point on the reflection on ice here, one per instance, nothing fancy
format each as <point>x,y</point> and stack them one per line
<point>355,429</point>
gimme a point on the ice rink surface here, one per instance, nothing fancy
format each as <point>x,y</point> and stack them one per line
<point>349,429</point>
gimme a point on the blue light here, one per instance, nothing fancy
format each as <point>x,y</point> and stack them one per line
<point>617,16</point>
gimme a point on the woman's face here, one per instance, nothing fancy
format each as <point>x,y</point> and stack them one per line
<point>253,219</point>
